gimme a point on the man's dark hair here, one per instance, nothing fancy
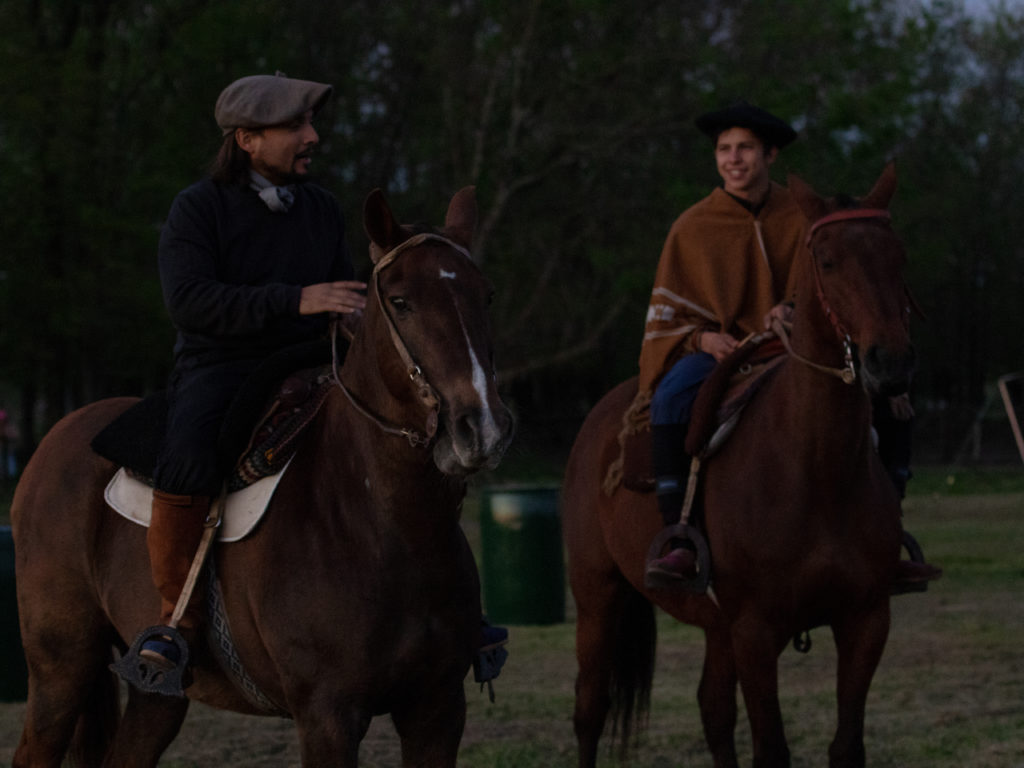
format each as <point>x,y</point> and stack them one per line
<point>231,166</point>
<point>767,141</point>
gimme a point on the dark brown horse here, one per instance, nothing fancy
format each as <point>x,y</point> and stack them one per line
<point>357,595</point>
<point>801,519</point>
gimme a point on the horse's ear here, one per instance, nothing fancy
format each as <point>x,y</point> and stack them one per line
<point>460,222</point>
<point>380,225</point>
<point>881,194</point>
<point>813,206</point>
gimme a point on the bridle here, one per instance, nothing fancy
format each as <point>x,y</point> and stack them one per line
<point>848,373</point>
<point>427,395</point>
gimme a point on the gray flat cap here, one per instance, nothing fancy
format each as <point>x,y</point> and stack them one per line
<point>259,101</point>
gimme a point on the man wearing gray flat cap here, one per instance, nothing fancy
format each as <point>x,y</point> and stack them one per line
<point>261,100</point>
<point>252,261</point>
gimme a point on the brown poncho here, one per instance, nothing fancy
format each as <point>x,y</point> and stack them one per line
<point>721,269</point>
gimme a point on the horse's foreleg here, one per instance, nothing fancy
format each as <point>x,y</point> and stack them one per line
<point>148,726</point>
<point>330,735</point>
<point>430,726</point>
<point>757,646</point>
<point>717,697</point>
<point>72,701</point>
<point>860,640</point>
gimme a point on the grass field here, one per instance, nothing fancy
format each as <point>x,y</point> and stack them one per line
<point>949,692</point>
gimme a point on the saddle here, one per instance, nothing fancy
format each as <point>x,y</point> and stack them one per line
<point>716,412</point>
<point>133,439</point>
<point>256,472</point>
<point>280,398</point>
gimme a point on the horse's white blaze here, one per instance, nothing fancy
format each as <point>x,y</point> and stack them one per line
<point>445,275</point>
<point>488,427</point>
<point>489,432</point>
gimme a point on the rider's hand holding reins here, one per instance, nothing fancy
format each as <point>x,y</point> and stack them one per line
<point>342,296</point>
<point>718,345</point>
<point>783,312</point>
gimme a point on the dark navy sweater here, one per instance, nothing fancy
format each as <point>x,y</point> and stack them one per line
<point>232,270</point>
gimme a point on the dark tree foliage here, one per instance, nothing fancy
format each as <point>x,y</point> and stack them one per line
<point>574,119</point>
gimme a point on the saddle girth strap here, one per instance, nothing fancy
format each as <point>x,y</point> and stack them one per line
<point>223,647</point>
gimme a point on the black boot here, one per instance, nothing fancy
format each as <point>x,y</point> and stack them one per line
<point>670,459</point>
<point>894,438</point>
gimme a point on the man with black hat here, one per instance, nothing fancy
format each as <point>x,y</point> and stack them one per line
<point>724,273</point>
<point>251,260</point>
<point>724,269</point>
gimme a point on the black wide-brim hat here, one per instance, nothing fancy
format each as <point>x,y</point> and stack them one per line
<point>772,130</point>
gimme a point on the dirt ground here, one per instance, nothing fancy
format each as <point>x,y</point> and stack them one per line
<point>949,692</point>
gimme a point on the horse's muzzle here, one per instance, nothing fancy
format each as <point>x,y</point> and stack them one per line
<point>475,439</point>
<point>886,372</point>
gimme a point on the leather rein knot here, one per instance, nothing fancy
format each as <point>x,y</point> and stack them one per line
<point>424,391</point>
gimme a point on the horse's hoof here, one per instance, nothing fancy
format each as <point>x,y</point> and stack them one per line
<point>154,670</point>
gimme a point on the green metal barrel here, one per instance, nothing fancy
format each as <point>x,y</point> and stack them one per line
<point>521,546</point>
<point>13,674</point>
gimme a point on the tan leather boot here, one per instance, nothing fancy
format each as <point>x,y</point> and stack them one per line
<point>175,530</point>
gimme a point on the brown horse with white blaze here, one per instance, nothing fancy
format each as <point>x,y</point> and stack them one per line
<point>356,595</point>
<point>802,521</point>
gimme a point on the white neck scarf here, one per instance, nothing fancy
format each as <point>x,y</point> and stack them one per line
<point>278,199</point>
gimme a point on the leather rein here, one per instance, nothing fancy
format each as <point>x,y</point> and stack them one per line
<point>427,395</point>
<point>848,373</point>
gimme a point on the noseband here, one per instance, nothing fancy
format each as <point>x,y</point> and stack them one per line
<point>424,391</point>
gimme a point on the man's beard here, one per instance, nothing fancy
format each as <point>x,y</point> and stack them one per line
<point>291,177</point>
<point>295,178</point>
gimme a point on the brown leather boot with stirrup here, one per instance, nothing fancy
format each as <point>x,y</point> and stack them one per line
<point>175,530</point>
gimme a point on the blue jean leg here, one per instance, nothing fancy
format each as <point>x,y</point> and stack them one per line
<point>674,396</point>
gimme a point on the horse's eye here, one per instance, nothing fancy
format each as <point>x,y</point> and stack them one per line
<point>490,298</point>
<point>827,264</point>
<point>399,303</point>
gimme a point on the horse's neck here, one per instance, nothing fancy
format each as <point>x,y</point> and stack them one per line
<point>820,401</point>
<point>374,374</point>
<point>386,478</point>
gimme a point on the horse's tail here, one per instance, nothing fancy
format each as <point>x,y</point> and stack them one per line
<point>97,723</point>
<point>636,637</point>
